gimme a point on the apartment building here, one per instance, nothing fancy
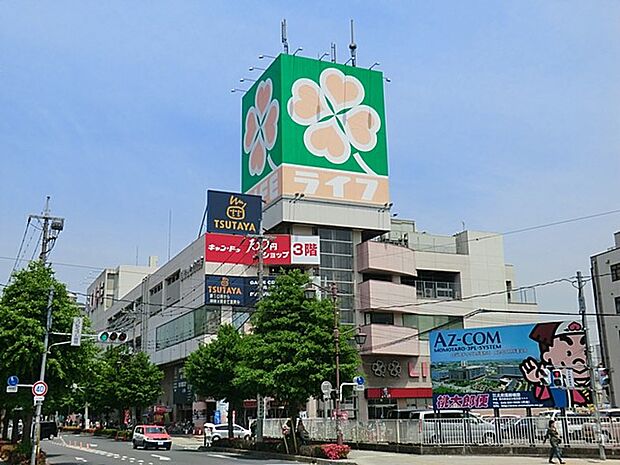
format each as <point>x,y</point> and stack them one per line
<point>605,268</point>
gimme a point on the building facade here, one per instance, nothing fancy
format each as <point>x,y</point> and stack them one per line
<point>605,268</point>
<point>314,147</point>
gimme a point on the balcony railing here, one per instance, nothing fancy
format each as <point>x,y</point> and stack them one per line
<point>438,290</point>
<point>522,296</point>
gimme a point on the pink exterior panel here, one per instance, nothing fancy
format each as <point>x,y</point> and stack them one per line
<point>380,256</point>
<point>391,340</point>
<point>375,294</point>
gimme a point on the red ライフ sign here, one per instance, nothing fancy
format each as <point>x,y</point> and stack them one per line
<point>278,249</point>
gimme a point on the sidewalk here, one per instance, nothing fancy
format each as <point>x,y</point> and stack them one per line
<point>365,457</point>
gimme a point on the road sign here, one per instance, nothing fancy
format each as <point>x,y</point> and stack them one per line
<point>76,331</point>
<point>359,387</point>
<point>326,387</point>
<point>359,380</point>
<point>39,398</point>
<point>12,381</point>
<point>11,389</point>
<point>569,375</point>
<point>39,389</point>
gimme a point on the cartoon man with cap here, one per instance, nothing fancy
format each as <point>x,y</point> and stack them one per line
<point>562,345</point>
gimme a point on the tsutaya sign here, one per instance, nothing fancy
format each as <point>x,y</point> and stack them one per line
<point>316,128</point>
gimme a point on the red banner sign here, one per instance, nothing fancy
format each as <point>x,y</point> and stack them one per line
<point>278,249</point>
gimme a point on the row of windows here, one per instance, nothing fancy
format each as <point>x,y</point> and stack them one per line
<point>203,320</point>
<point>423,323</point>
<point>615,272</point>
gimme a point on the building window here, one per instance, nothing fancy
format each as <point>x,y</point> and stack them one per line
<point>379,318</point>
<point>337,267</point>
<point>203,320</point>
<point>427,323</point>
<point>615,272</point>
<point>617,300</point>
<point>173,288</point>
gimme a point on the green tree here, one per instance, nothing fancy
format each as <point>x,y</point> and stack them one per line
<point>23,311</point>
<point>212,370</point>
<point>291,350</point>
<point>122,380</point>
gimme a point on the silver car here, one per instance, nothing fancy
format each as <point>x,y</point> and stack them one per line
<point>221,431</point>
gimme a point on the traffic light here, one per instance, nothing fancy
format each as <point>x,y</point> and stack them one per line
<point>557,380</point>
<point>111,336</point>
<point>603,377</point>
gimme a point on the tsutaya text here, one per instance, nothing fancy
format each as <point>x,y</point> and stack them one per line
<point>322,183</point>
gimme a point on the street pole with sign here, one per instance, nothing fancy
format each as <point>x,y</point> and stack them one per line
<point>39,405</point>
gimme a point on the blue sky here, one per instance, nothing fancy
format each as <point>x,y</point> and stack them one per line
<point>499,114</point>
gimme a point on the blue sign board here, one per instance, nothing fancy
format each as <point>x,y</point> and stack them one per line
<point>508,366</point>
<point>252,289</point>
<point>225,290</point>
<point>217,417</point>
<point>12,381</point>
<point>237,291</point>
<point>231,213</point>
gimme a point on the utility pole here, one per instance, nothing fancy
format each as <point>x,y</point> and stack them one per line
<point>52,226</point>
<point>260,401</point>
<point>334,295</point>
<point>39,405</point>
<point>593,387</point>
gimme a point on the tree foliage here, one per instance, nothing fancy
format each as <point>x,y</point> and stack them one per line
<point>291,349</point>
<point>23,312</point>
<point>119,379</point>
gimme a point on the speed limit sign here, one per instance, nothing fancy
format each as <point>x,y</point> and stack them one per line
<point>39,388</point>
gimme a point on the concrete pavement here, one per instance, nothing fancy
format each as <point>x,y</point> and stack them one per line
<point>364,457</point>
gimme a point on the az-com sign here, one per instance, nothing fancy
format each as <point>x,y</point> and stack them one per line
<point>232,213</point>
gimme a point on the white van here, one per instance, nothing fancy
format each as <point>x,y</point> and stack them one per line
<point>437,428</point>
<point>574,421</point>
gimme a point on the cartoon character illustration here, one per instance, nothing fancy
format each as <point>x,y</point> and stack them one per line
<point>562,345</point>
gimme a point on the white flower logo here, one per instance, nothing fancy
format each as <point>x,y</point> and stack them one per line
<point>335,118</point>
<point>261,128</point>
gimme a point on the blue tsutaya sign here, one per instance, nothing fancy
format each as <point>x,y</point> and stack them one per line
<point>509,366</point>
<point>236,291</point>
<point>231,213</point>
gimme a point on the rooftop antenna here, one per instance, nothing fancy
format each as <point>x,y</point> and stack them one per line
<point>284,38</point>
<point>333,57</point>
<point>353,48</point>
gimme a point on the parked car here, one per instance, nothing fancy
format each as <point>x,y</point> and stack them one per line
<point>151,436</point>
<point>444,427</point>
<point>221,431</point>
<point>610,425</point>
<point>517,430</point>
<point>574,421</point>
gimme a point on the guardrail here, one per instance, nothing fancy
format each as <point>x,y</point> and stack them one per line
<point>526,431</point>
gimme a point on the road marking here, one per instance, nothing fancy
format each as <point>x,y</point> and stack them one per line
<point>161,457</point>
<point>80,459</point>
<point>93,445</point>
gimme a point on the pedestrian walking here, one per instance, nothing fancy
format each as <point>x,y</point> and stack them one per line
<point>554,441</point>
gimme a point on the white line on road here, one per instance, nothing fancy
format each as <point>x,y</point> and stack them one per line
<point>80,459</point>
<point>160,457</point>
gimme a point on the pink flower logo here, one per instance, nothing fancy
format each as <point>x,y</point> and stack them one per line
<point>335,118</point>
<point>261,128</point>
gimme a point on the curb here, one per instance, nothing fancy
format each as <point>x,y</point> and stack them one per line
<point>275,455</point>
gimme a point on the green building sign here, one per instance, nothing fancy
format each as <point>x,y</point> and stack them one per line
<point>315,127</point>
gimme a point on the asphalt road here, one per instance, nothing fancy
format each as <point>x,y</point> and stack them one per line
<point>79,450</point>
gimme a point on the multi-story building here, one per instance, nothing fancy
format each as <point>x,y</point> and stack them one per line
<point>606,288</point>
<point>314,148</point>
<point>110,286</point>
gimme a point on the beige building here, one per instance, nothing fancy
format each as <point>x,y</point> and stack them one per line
<point>606,288</point>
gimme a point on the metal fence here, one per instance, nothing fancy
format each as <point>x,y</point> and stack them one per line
<point>525,431</point>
